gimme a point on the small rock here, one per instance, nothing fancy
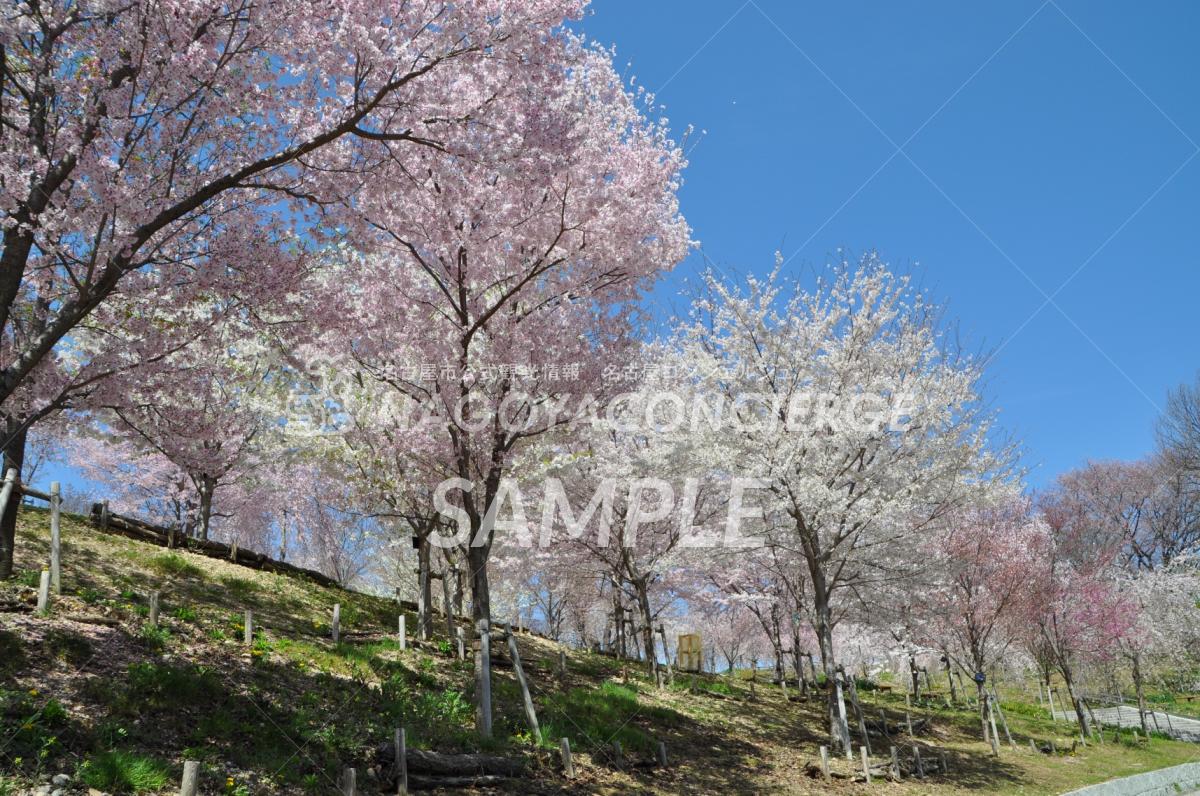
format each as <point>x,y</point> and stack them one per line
<point>42,790</point>
<point>61,780</point>
<point>58,792</point>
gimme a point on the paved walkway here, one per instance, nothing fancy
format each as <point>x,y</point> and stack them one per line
<point>1179,727</point>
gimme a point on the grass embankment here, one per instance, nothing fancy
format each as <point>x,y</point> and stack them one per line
<point>94,692</point>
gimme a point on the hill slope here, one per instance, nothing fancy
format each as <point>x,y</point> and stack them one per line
<point>92,693</point>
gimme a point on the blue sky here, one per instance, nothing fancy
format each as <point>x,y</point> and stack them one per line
<point>1044,187</point>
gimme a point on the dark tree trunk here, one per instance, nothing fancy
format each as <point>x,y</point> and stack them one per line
<point>14,457</point>
<point>1138,683</point>
<point>643,597</point>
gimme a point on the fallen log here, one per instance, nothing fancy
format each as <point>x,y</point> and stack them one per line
<point>107,621</point>
<point>440,764</point>
<point>418,782</point>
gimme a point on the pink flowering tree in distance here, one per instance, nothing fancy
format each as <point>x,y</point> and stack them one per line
<point>972,607</point>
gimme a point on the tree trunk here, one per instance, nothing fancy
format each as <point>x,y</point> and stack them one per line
<point>981,700</point>
<point>643,596</point>
<point>206,485</point>
<point>1080,714</point>
<point>424,589</point>
<point>14,457</point>
<point>1139,690</point>
<point>839,732</point>
<point>798,662</point>
<point>950,677</point>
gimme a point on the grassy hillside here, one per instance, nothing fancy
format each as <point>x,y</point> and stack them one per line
<point>94,693</point>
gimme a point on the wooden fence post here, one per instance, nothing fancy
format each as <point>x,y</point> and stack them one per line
<point>866,764</point>
<point>662,755</point>
<point>917,762</point>
<point>43,598</point>
<point>483,678</point>
<point>825,762</point>
<point>461,636</point>
<point>530,712</point>
<point>942,759</point>
<point>401,763</point>
<point>403,635</point>
<point>568,763</point>
<point>350,782</point>
<point>248,629</point>
<point>154,609</point>
<point>992,721</point>
<point>55,537</point>
<point>337,621</point>
<point>618,754</point>
<point>191,778</point>
<point>1003,720</point>
<point>895,764</point>
<point>447,607</point>
<point>104,514</point>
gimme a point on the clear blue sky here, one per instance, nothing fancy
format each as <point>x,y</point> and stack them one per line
<point>1045,146</point>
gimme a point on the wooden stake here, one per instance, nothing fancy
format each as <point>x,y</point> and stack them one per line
<point>917,761</point>
<point>55,537</point>
<point>662,755</point>
<point>154,609</point>
<point>942,760</point>
<point>530,712</point>
<point>461,636</point>
<point>1003,721</point>
<point>618,754</point>
<point>337,622</point>
<point>862,751</point>
<point>43,599</point>
<point>825,762</point>
<point>191,778</point>
<point>483,679</point>
<point>1033,745</point>
<point>568,763</point>
<point>403,635</point>
<point>896,764</point>
<point>248,628</point>
<point>447,608</point>
<point>992,720</point>
<point>349,782</point>
<point>401,763</point>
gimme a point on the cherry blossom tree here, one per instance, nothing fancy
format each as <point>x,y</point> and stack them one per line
<point>159,154</point>
<point>973,611</point>
<point>149,145</point>
<point>1074,611</point>
<point>862,424</point>
<point>500,289</point>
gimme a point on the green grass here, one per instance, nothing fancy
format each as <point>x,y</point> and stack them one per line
<point>595,717</point>
<point>175,565</point>
<point>124,772</point>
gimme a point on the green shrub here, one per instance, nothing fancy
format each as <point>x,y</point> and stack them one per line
<point>88,595</point>
<point>154,637</point>
<point>124,772</point>
<point>185,613</point>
